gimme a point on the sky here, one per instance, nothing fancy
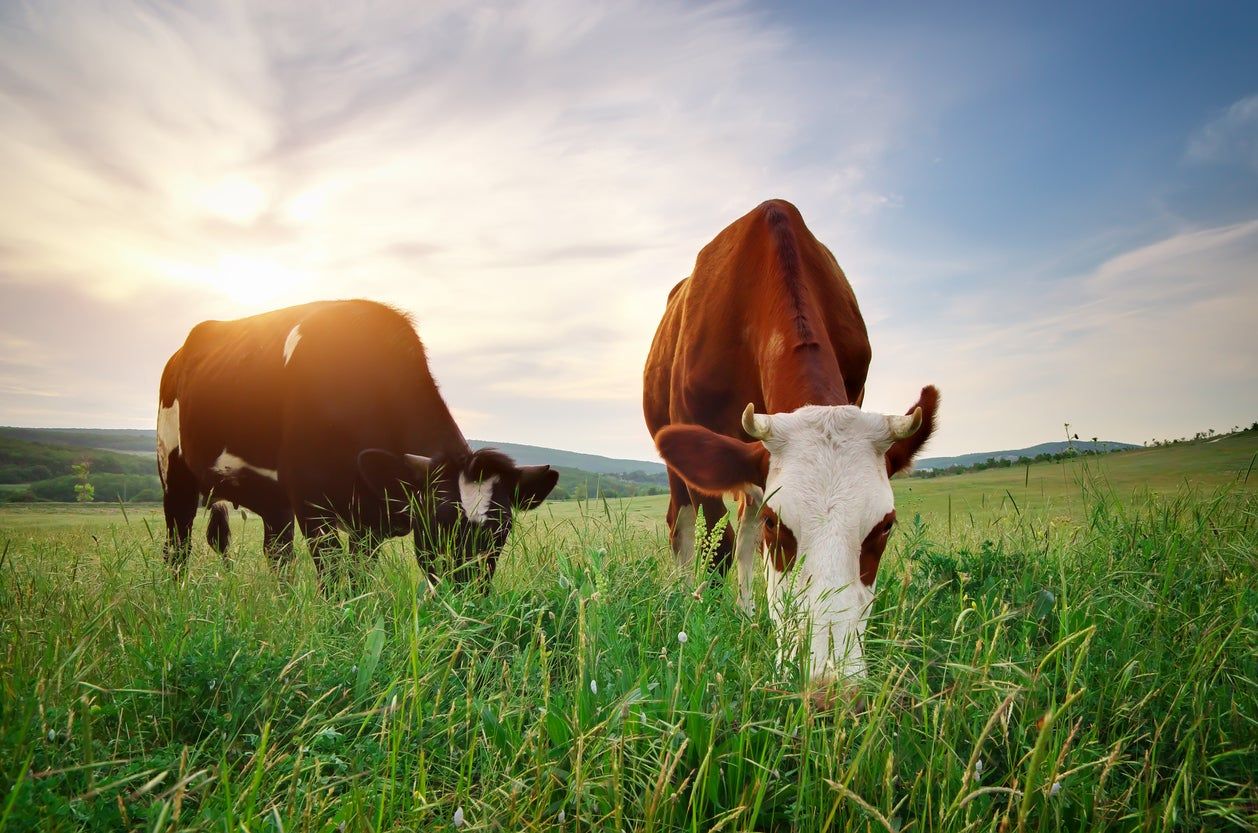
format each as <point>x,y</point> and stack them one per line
<point>1050,213</point>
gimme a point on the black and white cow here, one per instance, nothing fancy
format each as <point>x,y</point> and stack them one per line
<point>326,414</point>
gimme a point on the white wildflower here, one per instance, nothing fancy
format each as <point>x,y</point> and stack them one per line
<point>212,684</point>
<point>562,815</point>
<point>681,637</point>
<point>1056,788</point>
<point>458,816</point>
<point>52,735</point>
<point>593,686</point>
<point>978,770</point>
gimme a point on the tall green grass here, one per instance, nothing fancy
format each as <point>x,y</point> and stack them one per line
<point>1030,675</point>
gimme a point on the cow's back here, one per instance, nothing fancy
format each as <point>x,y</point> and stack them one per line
<point>359,378</point>
<point>767,317</point>
<point>227,382</point>
<point>301,391</point>
<point>658,375</point>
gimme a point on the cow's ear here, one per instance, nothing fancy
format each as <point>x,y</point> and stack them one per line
<point>712,463</point>
<point>536,482</point>
<point>390,476</point>
<point>902,452</point>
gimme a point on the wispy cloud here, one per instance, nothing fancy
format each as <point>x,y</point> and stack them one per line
<point>527,178</point>
<point>1230,138</point>
<point>1157,339</point>
<point>531,178</point>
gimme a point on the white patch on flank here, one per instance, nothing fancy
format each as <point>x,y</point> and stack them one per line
<point>828,483</point>
<point>684,535</point>
<point>290,343</point>
<point>167,436</point>
<point>229,465</point>
<point>476,497</point>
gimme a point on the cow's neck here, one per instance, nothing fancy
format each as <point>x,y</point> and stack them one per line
<point>432,428</point>
<point>808,374</point>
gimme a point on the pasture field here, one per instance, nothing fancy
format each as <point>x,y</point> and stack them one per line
<point>1073,647</point>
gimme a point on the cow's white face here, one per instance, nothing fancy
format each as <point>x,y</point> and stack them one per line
<point>826,492</point>
<point>823,474</point>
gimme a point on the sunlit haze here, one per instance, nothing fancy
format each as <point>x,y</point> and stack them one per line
<point>1052,215</point>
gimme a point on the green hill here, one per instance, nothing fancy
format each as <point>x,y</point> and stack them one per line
<point>41,470</point>
<point>144,440</point>
<point>34,471</point>
<point>1060,486</point>
<point>531,455</point>
<point>130,440</point>
<point>1030,453</point>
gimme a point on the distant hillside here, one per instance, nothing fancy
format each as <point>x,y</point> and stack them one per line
<point>130,440</point>
<point>1030,452</point>
<point>970,499</point>
<point>532,455</point>
<point>143,439</point>
<point>35,464</point>
<point>33,471</point>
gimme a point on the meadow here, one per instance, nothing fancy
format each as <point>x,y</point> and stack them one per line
<point>1073,646</point>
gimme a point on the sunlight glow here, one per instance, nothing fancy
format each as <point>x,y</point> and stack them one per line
<point>234,198</point>
<point>251,279</point>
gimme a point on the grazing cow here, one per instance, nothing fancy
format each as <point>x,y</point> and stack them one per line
<point>764,342</point>
<point>326,413</point>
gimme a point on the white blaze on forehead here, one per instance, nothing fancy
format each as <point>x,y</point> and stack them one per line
<point>167,436</point>
<point>290,343</point>
<point>476,497</point>
<point>229,465</point>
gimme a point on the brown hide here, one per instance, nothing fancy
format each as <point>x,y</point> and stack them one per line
<point>767,317</point>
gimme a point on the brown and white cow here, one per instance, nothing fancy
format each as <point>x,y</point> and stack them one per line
<point>327,414</point>
<point>753,387</point>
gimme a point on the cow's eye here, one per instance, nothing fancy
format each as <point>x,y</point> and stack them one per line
<point>771,521</point>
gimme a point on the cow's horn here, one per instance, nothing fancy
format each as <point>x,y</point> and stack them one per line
<point>756,425</point>
<point>903,427</point>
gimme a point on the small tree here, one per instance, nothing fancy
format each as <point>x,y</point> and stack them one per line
<point>84,491</point>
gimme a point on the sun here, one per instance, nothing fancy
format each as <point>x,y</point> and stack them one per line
<point>234,198</point>
<point>253,279</point>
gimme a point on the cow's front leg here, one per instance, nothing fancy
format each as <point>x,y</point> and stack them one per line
<point>277,541</point>
<point>325,549</point>
<point>179,501</point>
<point>748,545</point>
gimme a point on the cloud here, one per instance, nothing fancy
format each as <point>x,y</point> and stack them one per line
<point>1156,341</point>
<point>1230,138</point>
<point>529,179</point>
